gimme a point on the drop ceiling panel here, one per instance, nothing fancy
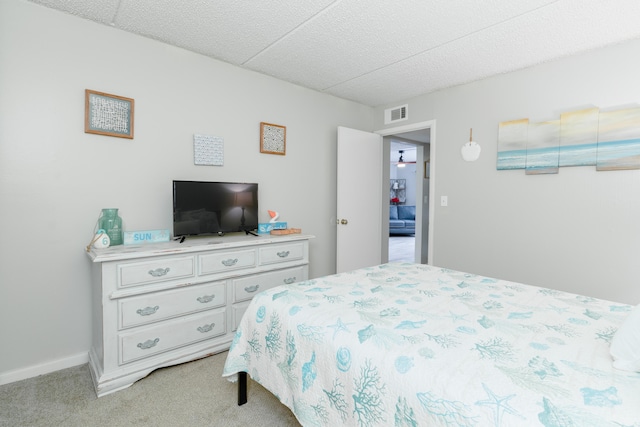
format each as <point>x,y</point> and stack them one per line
<point>375,52</point>
<point>356,38</point>
<point>101,11</point>
<point>231,31</point>
<point>543,35</point>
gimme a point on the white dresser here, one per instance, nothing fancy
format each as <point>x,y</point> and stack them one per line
<point>162,304</point>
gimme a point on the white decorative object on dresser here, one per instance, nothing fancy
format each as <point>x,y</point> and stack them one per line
<point>162,304</point>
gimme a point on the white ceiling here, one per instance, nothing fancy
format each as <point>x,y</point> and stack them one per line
<point>375,52</point>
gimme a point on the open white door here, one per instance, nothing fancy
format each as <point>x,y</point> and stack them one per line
<point>359,199</point>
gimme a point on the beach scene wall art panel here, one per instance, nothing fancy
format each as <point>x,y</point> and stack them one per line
<point>512,144</point>
<point>543,148</point>
<point>579,137</point>
<point>619,140</point>
<point>608,140</point>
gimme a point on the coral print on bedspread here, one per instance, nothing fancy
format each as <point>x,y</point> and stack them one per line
<point>416,345</point>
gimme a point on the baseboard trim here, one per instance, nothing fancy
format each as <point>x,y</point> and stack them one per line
<point>43,368</point>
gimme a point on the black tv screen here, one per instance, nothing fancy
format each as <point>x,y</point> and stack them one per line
<point>201,207</point>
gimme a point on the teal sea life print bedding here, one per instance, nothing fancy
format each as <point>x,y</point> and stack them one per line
<point>416,345</point>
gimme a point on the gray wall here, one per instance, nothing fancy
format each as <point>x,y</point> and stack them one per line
<point>578,230</point>
<point>55,179</point>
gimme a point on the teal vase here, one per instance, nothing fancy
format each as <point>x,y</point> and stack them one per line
<point>112,224</point>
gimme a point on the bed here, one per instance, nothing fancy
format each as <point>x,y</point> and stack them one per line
<point>409,344</point>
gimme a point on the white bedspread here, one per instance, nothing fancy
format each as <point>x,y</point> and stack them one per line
<point>410,345</point>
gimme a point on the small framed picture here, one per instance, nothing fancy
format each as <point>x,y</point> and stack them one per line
<point>106,114</point>
<point>273,139</point>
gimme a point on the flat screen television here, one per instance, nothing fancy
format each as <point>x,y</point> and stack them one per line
<point>201,208</point>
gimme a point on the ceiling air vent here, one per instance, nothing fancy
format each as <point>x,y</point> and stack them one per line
<point>396,114</point>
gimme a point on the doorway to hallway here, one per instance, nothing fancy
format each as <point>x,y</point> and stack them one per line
<point>425,162</point>
<point>409,188</point>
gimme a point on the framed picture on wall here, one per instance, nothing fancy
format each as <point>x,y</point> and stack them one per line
<point>273,139</point>
<point>106,114</point>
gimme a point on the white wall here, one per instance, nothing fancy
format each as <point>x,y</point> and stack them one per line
<point>579,230</point>
<point>55,179</point>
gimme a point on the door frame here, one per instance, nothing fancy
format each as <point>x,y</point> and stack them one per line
<point>431,125</point>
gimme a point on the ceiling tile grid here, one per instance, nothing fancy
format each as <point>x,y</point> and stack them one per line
<point>227,30</point>
<point>375,52</point>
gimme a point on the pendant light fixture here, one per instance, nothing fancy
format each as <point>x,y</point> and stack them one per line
<point>401,163</point>
<point>471,150</point>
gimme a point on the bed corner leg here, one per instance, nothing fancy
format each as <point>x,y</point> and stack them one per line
<point>242,388</point>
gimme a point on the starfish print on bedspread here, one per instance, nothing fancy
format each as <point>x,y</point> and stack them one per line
<point>455,317</point>
<point>501,404</point>
<point>339,326</point>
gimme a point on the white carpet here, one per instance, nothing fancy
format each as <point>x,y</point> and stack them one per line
<point>191,394</point>
<point>402,248</point>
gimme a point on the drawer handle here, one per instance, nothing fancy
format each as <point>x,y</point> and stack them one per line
<point>251,288</point>
<point>230,262</point>
<point>290,280</point>
<point>283,254</point>
<point>206,328</point>
<point>159,272</point>
<point>148,344</point>
<point>206,298</point>
<point>147,311</point>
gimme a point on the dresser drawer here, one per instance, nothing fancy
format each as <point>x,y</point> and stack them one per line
<point>146,342</point>
<point>227,261</point>
<point>143,273</point>
<point>237,311</point>
<point>282,253</point>
<point>246,287</point>
<point>145,309</point>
